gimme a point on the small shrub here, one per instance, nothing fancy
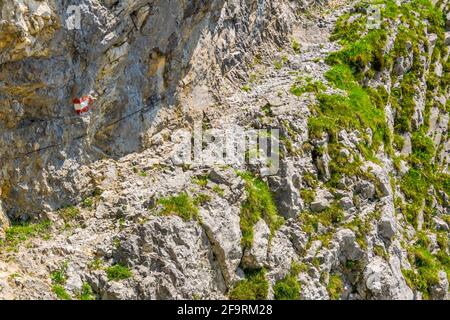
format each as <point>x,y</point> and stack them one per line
<point>86,292</point>
<point>258,205</point>
<point>59,276</point>
<point>307,195</point>
<point>335,287</point>
<point>23,231</point>
<point>202,199</point>
<point>219,191</point>
<point>254,287</point>
<point>288,288</point>
<point>88,203</point>
<point>69,213</point>
<point>118,272</point>
<point>181,205</point>
<point>61,292</point>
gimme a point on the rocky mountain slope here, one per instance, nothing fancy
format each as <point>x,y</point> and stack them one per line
<point>99,207</point>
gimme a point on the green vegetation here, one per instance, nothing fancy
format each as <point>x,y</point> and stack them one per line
<point>143,174</point>
<point>329,218</point>
<point>335,286</point>
<point>308,195</point>
<point>258,205</point>
<point>279,63</point>
<point>288,288</point>
<point>381,252</point>
<point>182,205</point>
<point>86,292</point>
<point>302,86</point>
<point>202,199</point>
<point>118,272</point>
<point>363,57</point>
<point>61,292</point>
<point>96,264</point>
<point>296,46</point>
<point>202,181</point>
<point>69,213</point>
<point>427,265</point>
<point>219,191</point>
<point>21,232</point>
<point>246,88</point>
<point>361,228</point>
<point>254,287</point>
<point>59,276</point>
<point>354,111</point>
<point>59,279</point>
<point>88,203</point>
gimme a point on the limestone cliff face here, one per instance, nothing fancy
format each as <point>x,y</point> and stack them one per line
<point>134,56</point>
<point>98,206</point>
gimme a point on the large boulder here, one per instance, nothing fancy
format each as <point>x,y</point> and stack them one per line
<point>170,259</point>
<point>439,291</point>
<point>285,188</point>
<point>382,282</point>
<point>322,201</point>
<point>349,249</point>
<point>256,256</point>
<point>221,222</point>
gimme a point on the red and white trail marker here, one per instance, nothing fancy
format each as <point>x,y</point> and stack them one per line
<point>83,104</point>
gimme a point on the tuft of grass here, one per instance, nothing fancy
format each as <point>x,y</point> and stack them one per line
<point>118,272</point>
<point>202,181</point>
<point>182,205</point>
<point>96,264</point>
<point>254,287</point>
<point>335,287</point>
<point>86,292</point>
<point>202,199</point>
<point>61,292</point>
<point>302,86</point>
<point>279,63</point>
<point>246,88</point>
<point>59,276</point>
<point>367,52</point>
<point>427,268</point>
<point>21,232</point>
<point>308,195</point>
<point>296,46</point>
<point>258,205</point>
<point>88,203</point>
<point>422,147</point>
<point>59,279</point>
<point>69,213</point>
<point>219,191</point>
<point>289,287</point>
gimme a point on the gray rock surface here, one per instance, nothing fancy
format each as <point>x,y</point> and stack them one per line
<point>110,189</point>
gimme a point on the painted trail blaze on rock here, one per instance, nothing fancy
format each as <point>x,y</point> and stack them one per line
<point>83,104</point>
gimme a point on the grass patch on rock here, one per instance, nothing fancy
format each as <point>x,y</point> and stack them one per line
<point>254,287</point>
<point>258,205</point>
